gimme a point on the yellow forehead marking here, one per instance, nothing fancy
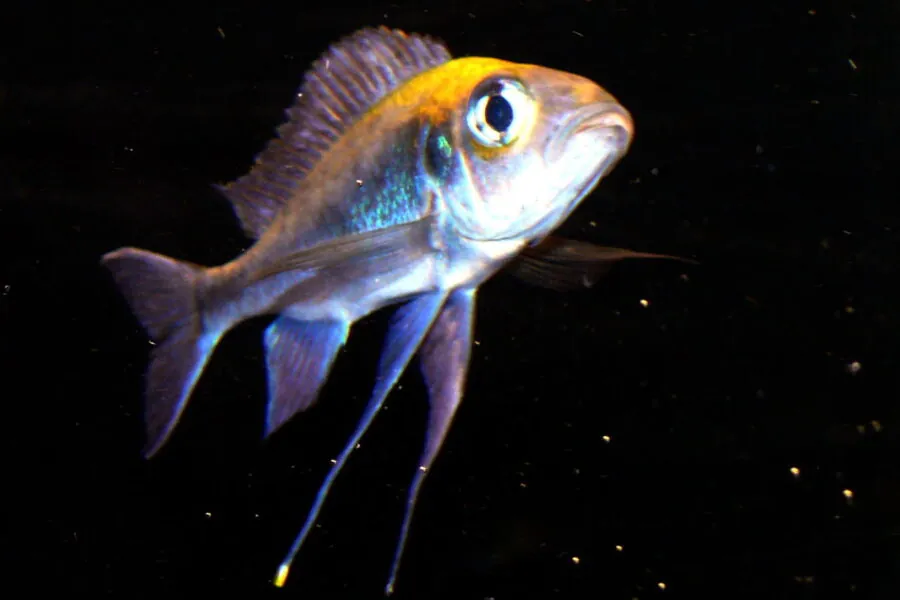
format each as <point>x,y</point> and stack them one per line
<point>441,93</point>
<point>438,92</point>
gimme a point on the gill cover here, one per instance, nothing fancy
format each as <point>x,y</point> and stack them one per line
<point>494,119</point>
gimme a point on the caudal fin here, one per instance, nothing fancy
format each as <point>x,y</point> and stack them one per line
<point>162,294</point>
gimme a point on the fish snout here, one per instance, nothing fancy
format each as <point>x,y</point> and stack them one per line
<point>611,122</point>
<point>606,126</point>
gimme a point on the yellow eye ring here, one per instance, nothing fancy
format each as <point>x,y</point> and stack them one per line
<point>499,113</point>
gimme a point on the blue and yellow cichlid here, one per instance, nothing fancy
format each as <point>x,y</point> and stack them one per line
<point>401,175</point>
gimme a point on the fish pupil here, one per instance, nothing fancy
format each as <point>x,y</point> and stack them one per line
<point>498,113</point>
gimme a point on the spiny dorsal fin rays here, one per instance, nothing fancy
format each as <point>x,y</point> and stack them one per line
<point>347,80</point>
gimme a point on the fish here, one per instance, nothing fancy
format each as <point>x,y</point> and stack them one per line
<point>402,177</point>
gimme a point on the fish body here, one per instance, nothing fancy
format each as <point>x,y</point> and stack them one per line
<point>401,176</point>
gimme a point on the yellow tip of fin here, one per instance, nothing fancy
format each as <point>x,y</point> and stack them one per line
<point>281,577</point>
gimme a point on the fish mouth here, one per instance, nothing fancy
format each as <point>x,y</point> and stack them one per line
<point>614,124</point>
<point>606,124</point>
<point>590,142</point>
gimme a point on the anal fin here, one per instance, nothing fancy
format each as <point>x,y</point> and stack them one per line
<point>299,356</point>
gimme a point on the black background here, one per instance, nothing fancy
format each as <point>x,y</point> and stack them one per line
<point>764,149</point>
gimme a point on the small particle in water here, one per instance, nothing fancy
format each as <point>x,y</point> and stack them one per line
<point>221,32</point>
<point>661,585</point>
<point>876,425</point>
<point>578,33</point>
<point>606,439</point>
<point>795,471</point>
<point>576,560</point>
<point>208,515</point>
<point>619,548</point>
<point>854,367</point>
<point>645,303</point>
<point>852,64</point>
<point>848,494</point>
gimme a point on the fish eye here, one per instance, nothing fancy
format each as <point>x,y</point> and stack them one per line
<point>498,112</point>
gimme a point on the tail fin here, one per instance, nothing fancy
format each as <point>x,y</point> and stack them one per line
<point>162,293</point>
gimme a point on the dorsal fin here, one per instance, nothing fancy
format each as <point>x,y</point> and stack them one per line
<point>349,78</point>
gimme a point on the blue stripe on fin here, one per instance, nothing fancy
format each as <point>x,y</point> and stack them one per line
<point>408,327</point>
<point>299,356</point>
<point>445,360</point>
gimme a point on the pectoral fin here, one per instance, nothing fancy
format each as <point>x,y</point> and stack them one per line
<point>563,264</point>
<point>445,359</point>
<point>368,253</point>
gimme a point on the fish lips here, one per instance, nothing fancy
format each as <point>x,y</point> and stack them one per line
<point>608,124</point>
<point>604,127</point>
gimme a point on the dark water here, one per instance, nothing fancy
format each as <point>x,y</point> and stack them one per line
<point>765,149</point>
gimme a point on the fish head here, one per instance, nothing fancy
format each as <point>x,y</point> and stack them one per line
<point>511,149</point>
